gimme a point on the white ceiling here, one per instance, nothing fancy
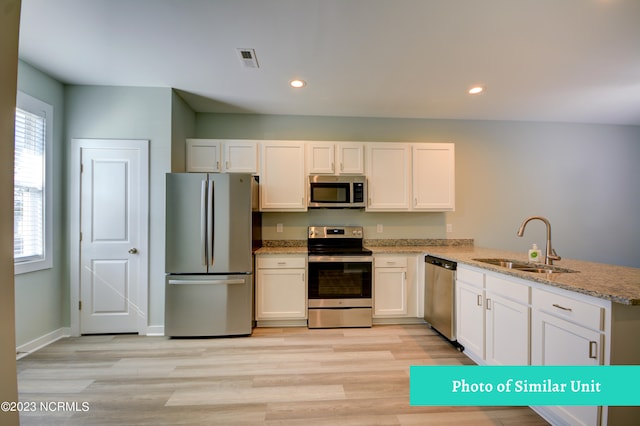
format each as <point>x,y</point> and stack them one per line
<point>540,60</point>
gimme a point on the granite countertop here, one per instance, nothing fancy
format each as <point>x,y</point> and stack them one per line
<point>281,250</point>
<point>610,282</point>
<point>619,284</point>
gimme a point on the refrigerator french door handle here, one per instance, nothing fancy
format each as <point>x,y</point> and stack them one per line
<point>203,222</point>
<point>210,222</point>
<point>207,282</point>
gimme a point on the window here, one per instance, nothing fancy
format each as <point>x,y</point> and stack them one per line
<point>31,200</point>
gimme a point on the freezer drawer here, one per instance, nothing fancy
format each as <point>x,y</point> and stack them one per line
<point>208,305</point>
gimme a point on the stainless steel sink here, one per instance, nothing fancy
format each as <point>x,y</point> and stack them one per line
<point>505,263</point>
<point>525,267</point>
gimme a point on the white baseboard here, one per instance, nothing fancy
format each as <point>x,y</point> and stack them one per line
<point>155,330</point>
<point>41,342</point>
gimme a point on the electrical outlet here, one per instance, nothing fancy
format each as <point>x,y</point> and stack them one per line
<point>379,228</point>
<point>449,227</point>
<point>279,227</point>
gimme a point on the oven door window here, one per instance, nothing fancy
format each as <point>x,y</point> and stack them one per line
<point>339,280</point>
<point>330,193</point>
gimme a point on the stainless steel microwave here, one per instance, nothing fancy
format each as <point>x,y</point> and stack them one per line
<point>338,192</point>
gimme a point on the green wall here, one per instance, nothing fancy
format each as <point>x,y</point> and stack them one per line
<point>131,113</point>
<point>42,297</point>
<point>583,178</point>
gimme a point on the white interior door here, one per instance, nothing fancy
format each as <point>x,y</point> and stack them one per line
<point>113,237</point>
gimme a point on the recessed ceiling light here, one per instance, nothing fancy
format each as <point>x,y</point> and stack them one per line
<point>476,90</point>
<point>297,83</point>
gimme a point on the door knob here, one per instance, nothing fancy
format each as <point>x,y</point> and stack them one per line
<point>133,250</point>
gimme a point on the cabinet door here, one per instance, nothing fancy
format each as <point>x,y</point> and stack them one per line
<point>390,292</point>
<point>203,155</point>
<point>320,158</point>
<point>559,342</point>
<point>282,179</point>
<point>470,319</point>
<point>241,157</point>
<point>350,158</point>
<point>433,183</point>
<point>281,294</point>
<point>388,172</point>
<point>507,331</point>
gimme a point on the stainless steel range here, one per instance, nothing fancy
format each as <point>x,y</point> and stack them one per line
<point>340,277</point>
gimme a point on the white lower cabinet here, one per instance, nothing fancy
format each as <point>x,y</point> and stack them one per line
<point>567,332</point>
<point>492,317</point>
<point>504,320</point>
<point>281,289</point>
<point>470,312</point>
<point>507,321</point>
<point>396,295</point>
<point>390,287</point>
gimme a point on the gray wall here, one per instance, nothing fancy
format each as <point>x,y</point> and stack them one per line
<point>9,29</point>
<point>42,297</point>
<point>583,178</point>
<point>131,113</point>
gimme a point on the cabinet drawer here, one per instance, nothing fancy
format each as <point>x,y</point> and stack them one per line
<point>470,277</point>
<point>508,289</point>
<point>273,262</point>
<point>390,262</point>
<point>573,310</point>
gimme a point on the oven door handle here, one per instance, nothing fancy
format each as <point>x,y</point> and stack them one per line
<point>350,259</point>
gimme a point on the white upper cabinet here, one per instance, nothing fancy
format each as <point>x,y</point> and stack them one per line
<point>388,170</point>
<point>335,158</point>
<point>204,155</point>
<point>433,176</point>
<point>216,155</point>
<point>282,179</point>
<point>240,156</point>
<point>400,176</point>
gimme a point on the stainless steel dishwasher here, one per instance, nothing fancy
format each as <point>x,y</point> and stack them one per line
<point>439,297</point>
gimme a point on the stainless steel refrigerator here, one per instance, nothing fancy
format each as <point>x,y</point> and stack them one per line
<point>208,254</point>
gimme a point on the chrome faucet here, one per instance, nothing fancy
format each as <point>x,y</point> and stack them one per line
<point>550,254</point>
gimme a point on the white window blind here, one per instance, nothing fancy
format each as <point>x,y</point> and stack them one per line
<point>32,189</point>
<point>28,199</point>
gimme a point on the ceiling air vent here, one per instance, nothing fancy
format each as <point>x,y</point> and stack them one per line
<point>248,58</point>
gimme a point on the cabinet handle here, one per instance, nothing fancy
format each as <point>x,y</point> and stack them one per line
<point>282,263</point>
<point>227,165</point>
<point>593,350</point>
<point>479,300</point>
<point>341,167</point>
<point>561,307</point>
<point>303,280</point>
<point>217,165</point>
<point>488,304</point>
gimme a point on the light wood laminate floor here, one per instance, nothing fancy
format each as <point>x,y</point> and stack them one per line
<point>278,376</point>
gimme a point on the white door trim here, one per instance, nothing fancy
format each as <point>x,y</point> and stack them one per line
<point>74,226</point>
